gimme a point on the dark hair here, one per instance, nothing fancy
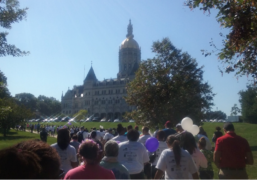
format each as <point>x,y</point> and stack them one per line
<point>25,164</point>
<point>145,128</point>
<point>201,130</point>
<point>133,135</point>
<point>63,138</point>
<point>93,134</point>
<point>120,128</point>
<point>202,142</point>
<point>88,150</point>
<point>129,127</point>
<point>189,143</point>
<point>161,135</point>
<point>173,141</point>
<point>218,128</point>
<point>75,136</point>
<point>229,127</point>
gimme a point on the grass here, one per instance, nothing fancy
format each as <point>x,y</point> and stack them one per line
<point>14,137</point>
<point>245,130</point>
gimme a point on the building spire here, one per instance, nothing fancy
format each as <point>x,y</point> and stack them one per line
<point>130,30</point>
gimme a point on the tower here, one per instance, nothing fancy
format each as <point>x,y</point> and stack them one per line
<point>129,55</point>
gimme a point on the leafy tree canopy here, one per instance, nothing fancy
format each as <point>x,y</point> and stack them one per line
<point>235,110</point>
<point>248,101</point>
<point>239,49</point>
<point>168,87</point>
<point>4,92</point>
<point>9,14</point>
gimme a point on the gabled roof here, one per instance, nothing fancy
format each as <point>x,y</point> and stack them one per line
<point>91,75</point>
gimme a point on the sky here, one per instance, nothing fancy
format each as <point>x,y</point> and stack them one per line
<point>64,37</point>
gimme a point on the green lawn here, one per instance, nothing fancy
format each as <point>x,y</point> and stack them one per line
<point>14,137</point>
<point>245,130</point>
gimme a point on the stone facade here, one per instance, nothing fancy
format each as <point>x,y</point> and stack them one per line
<point>105,98</point>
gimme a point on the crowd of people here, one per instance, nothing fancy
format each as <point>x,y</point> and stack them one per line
<point>121,153</point>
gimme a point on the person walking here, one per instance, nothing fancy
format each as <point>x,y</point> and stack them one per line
<point>206,173</point>
<point>231,154</point>
<point>168,129</point>
<point>110,160</point>
<point>89,150</point>
<point>43,135</point>
<point>216,135</point>
<point>175,162</point>
<point>66,152</point>
<point>133,155</point>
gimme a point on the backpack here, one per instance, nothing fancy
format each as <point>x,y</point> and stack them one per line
<point>80,136</point>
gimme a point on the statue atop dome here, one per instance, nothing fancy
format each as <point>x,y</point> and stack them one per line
<point>130,31</point>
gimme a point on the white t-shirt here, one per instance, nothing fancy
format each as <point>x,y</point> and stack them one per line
<point>162,146</point>
<point>133,155</point>
<point>66,156</point>
<point>85,135</point>
<point>99,135</point>
<point>121,138</point>
<point>143,139</point>
<point>108,136</point>
<point>167,164</point>
<point>199,159</point>
<point>71,130</point>
<point>208,142</point>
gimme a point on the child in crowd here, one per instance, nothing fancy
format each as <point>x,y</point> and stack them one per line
<point>206,173</point>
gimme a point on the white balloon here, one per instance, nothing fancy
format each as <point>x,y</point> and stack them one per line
<point>186,123</point>
<point>194,130</point>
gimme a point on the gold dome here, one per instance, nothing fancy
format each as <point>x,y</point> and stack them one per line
<point>129,43</point>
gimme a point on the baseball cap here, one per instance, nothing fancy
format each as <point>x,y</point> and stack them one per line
<point>168,122</point>
<point>178,125</point>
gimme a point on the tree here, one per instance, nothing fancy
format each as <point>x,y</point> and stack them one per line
<point>248,101</point>
<point>235,110</point>
<point>48,105</point>
<point>28,100</point>
<point>10,13</point>
<point>168,87</point>
<point>12,114</point>
<point>239,49</point>
<point>4,92</point>
<point>215,115</point>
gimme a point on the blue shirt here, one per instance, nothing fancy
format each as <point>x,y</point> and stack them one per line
<point>169,132</point>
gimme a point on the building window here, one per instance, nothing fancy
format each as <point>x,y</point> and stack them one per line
<point>124,91</point>
<point>103,91</point>
<point>117,91</point>
<point>103,101</point>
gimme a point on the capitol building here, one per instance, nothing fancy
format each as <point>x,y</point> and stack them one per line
<point>105,98</point>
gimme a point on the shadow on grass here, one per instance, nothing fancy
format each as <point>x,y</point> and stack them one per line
<point>9,132</point>
<point>253,148</point>
<point>15,137</point>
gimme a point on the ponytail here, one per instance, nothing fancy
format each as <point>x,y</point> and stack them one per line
<point>174,142</point>
<point>177,151</point>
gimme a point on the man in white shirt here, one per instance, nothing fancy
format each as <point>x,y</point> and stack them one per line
<point>145,136</point>
<point>121,132</point>
<point>133,155</point>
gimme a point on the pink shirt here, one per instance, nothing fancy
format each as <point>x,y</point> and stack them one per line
<point>89,172</point>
